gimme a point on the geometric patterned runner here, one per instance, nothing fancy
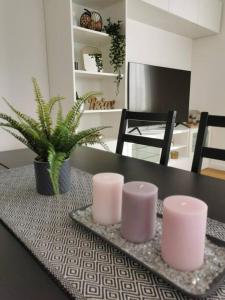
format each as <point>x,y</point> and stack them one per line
<point>87,267</point>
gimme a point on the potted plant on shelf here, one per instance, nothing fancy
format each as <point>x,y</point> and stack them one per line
<point>117,49</point>
<point>53,144</point>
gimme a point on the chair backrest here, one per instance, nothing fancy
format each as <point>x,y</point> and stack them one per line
<point>200,149</point>
<point>165,143</point>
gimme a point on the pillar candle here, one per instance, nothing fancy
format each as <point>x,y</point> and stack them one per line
<point>139,211</point>
<point>107,198</point>
<point>184,230</point>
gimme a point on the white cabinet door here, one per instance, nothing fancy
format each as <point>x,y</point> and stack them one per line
<point>163,4</point>
<point>187,9</point>
<point>210,14</point>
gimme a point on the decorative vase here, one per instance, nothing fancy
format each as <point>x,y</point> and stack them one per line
<point>43,180</point>
<point>91,20</point>
<point>85,19</point>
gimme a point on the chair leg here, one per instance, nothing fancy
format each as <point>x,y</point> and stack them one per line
<point>122,130</point>
<point>168,138</point>
<point>201,137</point>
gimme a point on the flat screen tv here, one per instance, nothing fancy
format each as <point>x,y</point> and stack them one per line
<point>158,89</point>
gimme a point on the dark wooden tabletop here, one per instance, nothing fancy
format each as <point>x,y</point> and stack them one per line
<point>23,278</point>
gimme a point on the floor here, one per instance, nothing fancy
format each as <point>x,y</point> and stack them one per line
<point>214,173</point>
<point>153,155</point>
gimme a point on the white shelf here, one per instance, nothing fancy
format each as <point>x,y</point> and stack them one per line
<point>97,111</point>
<point>96,4</point>
<point>180,130</point>
<point>90,37</point>
<point>94,75</point>
<point>158,133</point>
<point>177,147</point>
<point>181,163</point>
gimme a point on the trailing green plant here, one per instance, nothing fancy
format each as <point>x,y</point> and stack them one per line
<point>98,61</point>
<point>51,143</point>
<point>117,49</point>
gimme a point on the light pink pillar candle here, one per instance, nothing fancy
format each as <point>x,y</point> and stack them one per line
<point>184,230</point>
<point>107,198</point>
<point>139,211</point>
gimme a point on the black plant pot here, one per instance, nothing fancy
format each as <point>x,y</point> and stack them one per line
<point>43,180</point>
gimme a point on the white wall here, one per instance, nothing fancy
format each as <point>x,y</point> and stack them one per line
<point>59,40</point>
<point>208,81</point>
<point>150,45</point>
<point>22,55</point>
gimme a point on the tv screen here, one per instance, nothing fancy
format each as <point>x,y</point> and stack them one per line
<point>158,89</point>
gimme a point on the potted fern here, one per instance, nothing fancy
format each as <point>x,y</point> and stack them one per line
<point>53,143</point>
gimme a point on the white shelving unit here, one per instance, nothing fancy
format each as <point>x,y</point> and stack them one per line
<point>183,142</point>
<point>98,4</point>
<point>177,147</point>
<point>185,154</point>
<point>65,42</point>
<point>90,37</point>
<point>104,81</point>
<point>94,75</point>
<point>101,111</point>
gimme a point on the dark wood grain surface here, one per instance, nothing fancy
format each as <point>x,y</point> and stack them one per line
<point>23,278</point>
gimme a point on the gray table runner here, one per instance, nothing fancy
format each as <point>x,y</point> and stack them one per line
<point>86,266</point>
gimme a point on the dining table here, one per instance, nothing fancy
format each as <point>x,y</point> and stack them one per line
<point>23,277</point>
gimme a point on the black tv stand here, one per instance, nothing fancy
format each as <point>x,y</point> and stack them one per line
<point>135,128</point>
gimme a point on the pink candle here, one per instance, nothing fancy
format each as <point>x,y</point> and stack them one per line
<point>139,211</point>
<point>184,229</point>
<point>107,198</point>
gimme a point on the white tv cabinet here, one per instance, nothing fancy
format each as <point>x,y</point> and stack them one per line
<point>183,141</point>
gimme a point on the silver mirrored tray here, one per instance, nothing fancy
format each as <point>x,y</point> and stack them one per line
<point>198,283</point>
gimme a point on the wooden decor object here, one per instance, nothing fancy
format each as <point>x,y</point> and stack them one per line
<point>94,103</point>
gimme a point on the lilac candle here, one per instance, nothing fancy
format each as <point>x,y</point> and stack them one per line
<point>107,198</point>
<point>184,230</point>
<point>139,211</point>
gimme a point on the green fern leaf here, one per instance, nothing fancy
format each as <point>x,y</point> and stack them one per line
<point>19,138</point>
<point>76,109</point>
<point>76,123</point>
<point>39,144</point>
<point>30,121</point>
<point>59,118</point>
<point>53,101</point>
<point>61,138</point>
<point>42,110</point>
<point>84,137</point>
<point>55,162</point>
<point>59,126</point>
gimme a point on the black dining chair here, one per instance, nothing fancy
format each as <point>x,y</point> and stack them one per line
<point>165,143</point>
<point>201,150</point>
